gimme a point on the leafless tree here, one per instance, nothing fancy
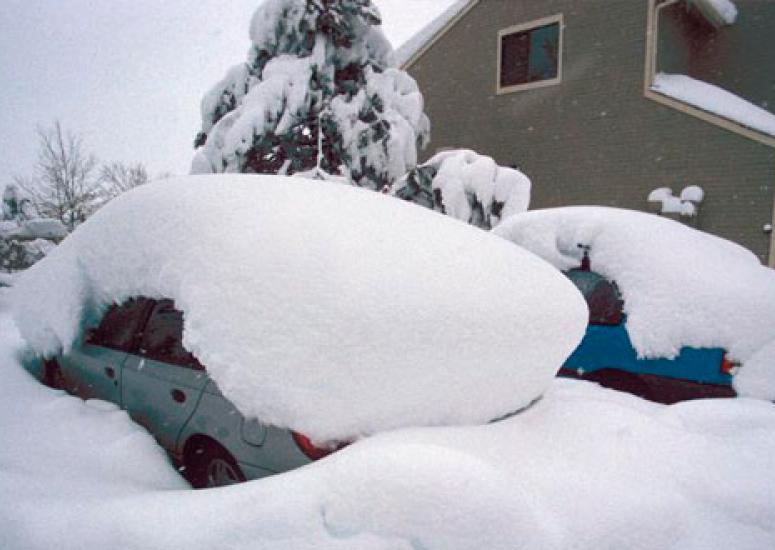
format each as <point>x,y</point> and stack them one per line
<point>65,185</point>
<point>117,177</point>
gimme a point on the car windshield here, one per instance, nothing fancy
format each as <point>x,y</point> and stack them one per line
<point>603,297</point>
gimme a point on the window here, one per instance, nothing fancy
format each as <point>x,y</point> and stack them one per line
<point>163,335</point>
<point>530,55</point>
<point>120,326</point>
<point>603,297</point>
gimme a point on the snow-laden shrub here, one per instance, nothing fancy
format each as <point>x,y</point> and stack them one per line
<point>25,237</point>
<point>467,186</point>
<point>319,91</point>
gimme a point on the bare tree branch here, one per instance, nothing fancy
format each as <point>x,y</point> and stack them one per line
<point>64,186</point>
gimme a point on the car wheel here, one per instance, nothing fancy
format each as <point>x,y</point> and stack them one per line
<point>208,464</point>
<point>52,374</point>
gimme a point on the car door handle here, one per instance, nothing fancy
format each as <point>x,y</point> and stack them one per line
<point>178,395</point>
<point>111,372</point>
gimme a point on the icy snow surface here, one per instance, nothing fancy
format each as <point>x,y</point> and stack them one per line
<point>331,310</point>
<point>681,287</point>
<point>715,100</point>
<point>584,468</point>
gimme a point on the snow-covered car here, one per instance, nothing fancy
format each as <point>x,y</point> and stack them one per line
<point>674,312</point>
<point>135,358</point>
<point>317,309</point>
<point>606,354</point>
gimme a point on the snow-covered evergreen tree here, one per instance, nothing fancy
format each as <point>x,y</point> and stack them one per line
<point>468,186</point>
<point>319,92</point>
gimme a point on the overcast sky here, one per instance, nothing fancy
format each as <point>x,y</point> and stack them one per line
<point>127,75</point>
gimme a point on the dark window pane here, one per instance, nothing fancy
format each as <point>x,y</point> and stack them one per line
<point>602,296</point>
<point>515,53</point>
<point>120,325</point>
<point>162,337</point>
<point>530,56</point>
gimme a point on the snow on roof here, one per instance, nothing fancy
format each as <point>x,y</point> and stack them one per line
<point>320,307</point>
<point>715,100</point>
<point>415,45</point>
<point>681,287</point>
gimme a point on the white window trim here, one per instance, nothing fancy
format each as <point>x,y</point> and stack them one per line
<point>558,18</point>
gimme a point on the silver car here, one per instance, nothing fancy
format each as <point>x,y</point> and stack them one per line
<point>135,359</point>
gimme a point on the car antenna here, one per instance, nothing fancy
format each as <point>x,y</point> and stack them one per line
<point>585,265</point>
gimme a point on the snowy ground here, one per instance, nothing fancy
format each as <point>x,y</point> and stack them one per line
<point>583,468</point>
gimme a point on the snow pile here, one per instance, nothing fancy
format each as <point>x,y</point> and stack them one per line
<point>584,468</point>
<point>686,204</point>
<point>324,308</point>
<point>715,100</point>
<point>414,45</point>
<point>467,186</point>
<point>318,91</point>
<point>681,287</point>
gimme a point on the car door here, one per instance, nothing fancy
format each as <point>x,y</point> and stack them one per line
<point>162,383</point>
<point>93,369</point>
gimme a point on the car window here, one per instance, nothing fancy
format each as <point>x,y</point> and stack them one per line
<point>120,326</point>
<point>603,297</point>
<point>163,337</point>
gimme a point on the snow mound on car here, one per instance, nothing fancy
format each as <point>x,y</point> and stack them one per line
<point>326,309</point>
<point>681,287</point>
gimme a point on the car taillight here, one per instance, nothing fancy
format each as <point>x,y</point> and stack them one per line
<point>311,450</point>
<point>729,367</point>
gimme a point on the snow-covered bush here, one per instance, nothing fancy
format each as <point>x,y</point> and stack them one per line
<point>467,186</point>
<point>24,237</point>
<point>319,91</point>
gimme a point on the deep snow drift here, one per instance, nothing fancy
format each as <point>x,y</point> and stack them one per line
<point>584,468</point>
<point>324,308</point>
<point>681,287</point>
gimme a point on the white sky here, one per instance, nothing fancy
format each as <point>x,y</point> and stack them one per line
<point>127,75</point>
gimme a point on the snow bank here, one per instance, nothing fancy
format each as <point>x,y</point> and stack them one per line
<point>715,100</point>
<point>681,287</point>
<point>328,309</point>
<point>584,468</point>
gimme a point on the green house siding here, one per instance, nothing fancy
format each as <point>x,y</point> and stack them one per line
<point>594,138</point>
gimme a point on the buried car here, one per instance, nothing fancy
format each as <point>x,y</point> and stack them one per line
<point>315,308</point>
<point>674,312</point>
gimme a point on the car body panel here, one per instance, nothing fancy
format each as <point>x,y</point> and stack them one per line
<point>93,372</point>
<point>609,346</point>
<point>161,397</point>
<point>606,354</point>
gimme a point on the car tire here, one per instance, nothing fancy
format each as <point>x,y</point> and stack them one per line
<point>208,464</point>
<point>52,374</point>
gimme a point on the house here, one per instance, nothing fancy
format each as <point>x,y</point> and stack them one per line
<point>612,101</point>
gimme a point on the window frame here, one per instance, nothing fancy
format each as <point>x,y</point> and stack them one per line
<point>522,27</point>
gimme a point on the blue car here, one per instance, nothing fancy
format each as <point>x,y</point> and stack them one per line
<point>606,354</point>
